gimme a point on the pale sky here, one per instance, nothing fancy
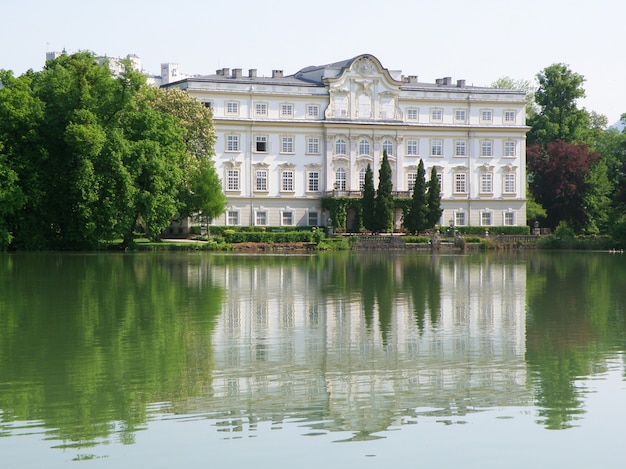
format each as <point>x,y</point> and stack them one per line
<point>476,40</point>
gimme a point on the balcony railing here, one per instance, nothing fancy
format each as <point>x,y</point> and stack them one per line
<point>357,194</point>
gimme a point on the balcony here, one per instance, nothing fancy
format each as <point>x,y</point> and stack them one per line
<point>358,194</point>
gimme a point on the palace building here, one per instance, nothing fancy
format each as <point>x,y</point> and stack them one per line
<point>287,141</point>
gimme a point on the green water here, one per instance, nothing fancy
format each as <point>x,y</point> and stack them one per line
<point>338,360</point>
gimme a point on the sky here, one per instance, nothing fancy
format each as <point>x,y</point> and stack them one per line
<point>476,40</point>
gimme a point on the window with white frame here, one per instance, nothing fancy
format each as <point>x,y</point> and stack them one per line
<point>362,173</point>
<point>286,144</point>
<point>260,109</point>
<point>232,143</point>
<point>486,115</point>
<point>313,181</point>
<point>387,108</point>
<point>261,218</point>
<point>509,117</point>
<point>485,218</point>
<point>460,115</point>
<point>232,218</point>
<point>459,218</point>
<point>460,148</point>
<point>340,147</point>
<point>364,106</point>
<point>286,110</point>
<point>261,180</point>
<point>509,218</point>
<point>287,218</point>
<point>232,108</point>
<point>388,147</point>
<point>509,183</point>
<point>364,147</point>
<point>313,145</point>
<point>208,104</point>
<point>509,148</point>
<point>460,183</point>
<point>411,178</point>
<point>341,105</point>
<point>314,218</point>
<point>486,183</point>
<point>232,179</point>
<point>436,115</point>
<point>260,144</point>
<point>412,147</point>
<point>412,114</point>
<point>286,180</point>
<point>436,147</point>
<point>440,179</point>
<point>340,179</point>
<point>486,148</point>
<point>312,111</point>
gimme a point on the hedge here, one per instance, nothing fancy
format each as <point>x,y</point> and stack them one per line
<point>493,230</point>
<point>267,237</point>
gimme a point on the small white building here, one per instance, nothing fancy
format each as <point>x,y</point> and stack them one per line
<point>286,141</point>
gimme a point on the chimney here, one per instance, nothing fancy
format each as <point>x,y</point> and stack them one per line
<point>252,72</point>
<point>439,81</point>
<point>447,81</point>
<point>219,72</point>
<point>460,83</point>
<point>412,79</point>
<point>226,71</point>
<point>236,73</point>
<point>277,73</point>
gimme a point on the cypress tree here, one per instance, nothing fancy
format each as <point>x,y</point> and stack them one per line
<point>384,198</point>
<point>368,201</point>
<point>434,210</point>
<point>416,219</point>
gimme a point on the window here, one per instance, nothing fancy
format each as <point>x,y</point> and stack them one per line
<point>412,148</point>
<point>509,183</point>
<point>509,117</point>
<point>314,219</point>
<point>313,145</point>
<point>459,218</point>
<point>440,179</point>
<point>260,109</point>
<point>388,147</point>
<point>287,218</point>
<point>460,148</point>
<point>232,179</point>
<point>286,110</point>
<point>340,179</point>
<point>509,218</point>
<point>460,115</point>
<point>341,106</point>
<point>387,108</point>
<point>485,218</point>
<point>261,218</point>
<point>486,115</point>
<point>364,147</point>
<point>364,106</point>
<point>412,177</point>
<point>340,147</point>
<point>208,104</point>
<point>261,180</point>
<point>232,143</point>
<point>486,148</point>
<point>412,114</point>
<point>260,144</point>
<point>312,111</point>
<point>362,179</point>
<point>509,148</point>
<point>313,184</point>
<point>486,183</point>
<point>460,180</point>
<point>286,145</point>
<point>232,107</point>
<point>436,148</point>
<point>287,181</point>
<point>436,115</point>
<point>232,217</point>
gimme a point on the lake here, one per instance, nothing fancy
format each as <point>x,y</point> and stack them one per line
<point>356,359</point>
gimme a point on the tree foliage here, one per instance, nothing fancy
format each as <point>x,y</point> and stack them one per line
<point>416,219</point>
<point>384,204</point>
<point>368,201</point>
<point>97,155</point>
<point>434,200</point>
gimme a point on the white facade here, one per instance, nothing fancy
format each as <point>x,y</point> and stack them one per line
<point>285,142</point>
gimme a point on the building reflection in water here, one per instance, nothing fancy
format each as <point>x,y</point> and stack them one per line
<point>366,343</point>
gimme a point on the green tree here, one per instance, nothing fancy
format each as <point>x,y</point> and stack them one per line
<point>368,201</point>
<point>559,117</point>
<point>416,218</point>
<point>384,205</point>
<point>434,200</point>
<point>508,83</point>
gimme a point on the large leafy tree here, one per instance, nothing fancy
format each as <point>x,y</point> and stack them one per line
<point>368,201</point>
<point>416,218</point>
<point>384,205</point>
<point>434,200</point>
<point>560,174</point>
